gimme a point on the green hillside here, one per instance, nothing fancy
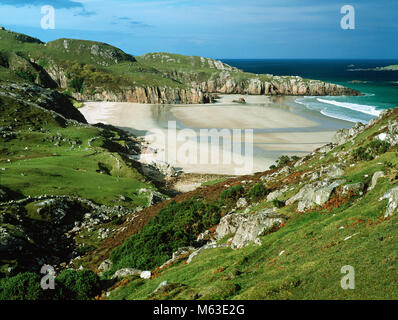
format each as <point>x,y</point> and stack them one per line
<point>72,196</point>
<point>91,70</point>
<point>55,168</point>
<point>300,258</point>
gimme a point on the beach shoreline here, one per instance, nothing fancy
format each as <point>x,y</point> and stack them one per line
<point>280,127</point>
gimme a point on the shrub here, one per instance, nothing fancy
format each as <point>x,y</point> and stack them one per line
<point>175,226</point>
<point>232,193</point>
<point>362,154</point>
<point>278,204</point>
<point>283,160</point>
<point>26,75</point>
<point>379,147</point>
<point>23,286</point>
<point>77,285</point>
<point>77,84</point>
<point>258,191</point>
<point>371,150</point>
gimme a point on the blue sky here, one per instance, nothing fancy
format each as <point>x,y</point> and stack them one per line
<point>218,28</point>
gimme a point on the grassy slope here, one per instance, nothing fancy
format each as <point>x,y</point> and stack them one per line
<point>101,65</point>
<point>32,164</point>
<point>314,250</point>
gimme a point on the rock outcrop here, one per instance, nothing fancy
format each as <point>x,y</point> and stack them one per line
<point>317,193</point>
<point>151,95</point>
<point>225,83</point>
<point>245,228</point>
<point>392,206</point>
<point>33,95</point>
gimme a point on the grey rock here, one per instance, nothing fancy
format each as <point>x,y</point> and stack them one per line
<point>228,225</point>
<point>313,194</point>
<point>205,247</point>
<point>277,193</point>
<point>341,136</point>
<point>125,272</point>
<point>145,274</point>
<point>241,203</point>
<point>376,176</point>
<point>252,226</point>
<point>392,206</point>
<point>106,265</point>
<point>161,285</point>
<point>354,187</point>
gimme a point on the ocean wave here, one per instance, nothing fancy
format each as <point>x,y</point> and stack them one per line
<point>371,110</point>
<point>325,112</point>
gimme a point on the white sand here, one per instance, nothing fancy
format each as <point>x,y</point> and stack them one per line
<point>191,156</point>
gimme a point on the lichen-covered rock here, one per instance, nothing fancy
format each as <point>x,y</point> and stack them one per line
<point>277,193</point>
<point>341,136</point>
<point>228,225</point>
<point>126,272</point>
<point>106,265</point>
<point>354,187</point>
<point>241,203</point>
<point>392,197</point>
<point>251,226</point>
<point>317,193</point>
<point>376,176</point>
<point>391,135</point>
<point>145,275</point>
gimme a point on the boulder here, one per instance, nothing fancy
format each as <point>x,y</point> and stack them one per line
<point>252,226</point>
<point>121,273</point>
<point>334,170</point>
<point>317,193</point>
<point>326,148</point>
<point>392,197</point>
<point>391,135</point>
<point>145,274</point>
<point>277,193</point>
<point>354,187</point>
<point>160,286</point>
<point>241,203</point>
<point>228,225</point>
<point>376,176</point>
<point>106,265</point>
<point>341,136</point>
<point>205,247</point>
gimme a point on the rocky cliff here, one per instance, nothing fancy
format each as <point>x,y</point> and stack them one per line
<point>152,95</point>
<point>96,71</point>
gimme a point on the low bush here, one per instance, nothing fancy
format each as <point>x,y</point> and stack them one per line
<point>77,285</point>
<point>175,226</point>
<point>282,161</point>
<point>371,150</point>
<point>232,193</point>
<point>23,286</point>
<point>278,204</point>
<point>257,191</point>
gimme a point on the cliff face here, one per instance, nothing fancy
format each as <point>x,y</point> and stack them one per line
<point>205,92</point>
<point>277,86</point>
<point>151,95</point>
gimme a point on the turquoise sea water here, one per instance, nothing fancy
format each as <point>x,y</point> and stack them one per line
<point>380,88</point>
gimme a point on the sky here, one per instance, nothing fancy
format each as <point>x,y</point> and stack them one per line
<point>228,29</point>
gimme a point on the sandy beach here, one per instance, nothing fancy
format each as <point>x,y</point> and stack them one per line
<point>279,127</point>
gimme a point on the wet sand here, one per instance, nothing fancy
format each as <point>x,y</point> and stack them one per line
<point>279,125</point>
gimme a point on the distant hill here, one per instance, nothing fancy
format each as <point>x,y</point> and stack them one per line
<point>89,70</point>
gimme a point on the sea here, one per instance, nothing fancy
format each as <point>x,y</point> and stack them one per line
<point>380,88</point>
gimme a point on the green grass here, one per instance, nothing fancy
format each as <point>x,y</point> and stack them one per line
<point>303,259</point>
<point>314,252</point>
